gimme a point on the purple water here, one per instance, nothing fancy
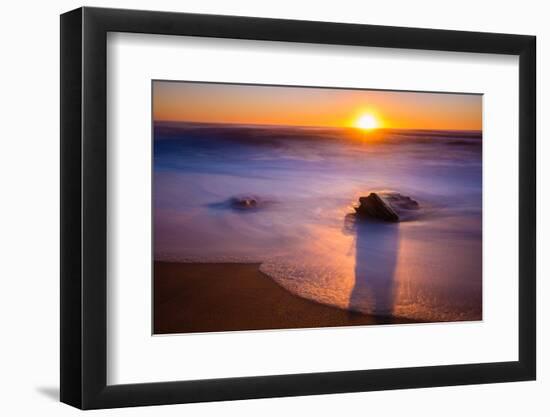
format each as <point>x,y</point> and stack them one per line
<point>305,182</point>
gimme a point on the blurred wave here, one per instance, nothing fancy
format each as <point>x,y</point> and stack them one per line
<point>303,182</point>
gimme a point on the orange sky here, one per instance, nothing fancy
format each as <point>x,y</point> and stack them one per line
<point>256,104</point>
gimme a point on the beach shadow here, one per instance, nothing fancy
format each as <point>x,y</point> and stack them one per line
<point>376,255</point>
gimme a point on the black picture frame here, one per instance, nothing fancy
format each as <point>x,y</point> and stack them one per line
<point>84,207</point>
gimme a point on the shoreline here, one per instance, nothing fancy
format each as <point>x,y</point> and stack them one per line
<point>217,297</point>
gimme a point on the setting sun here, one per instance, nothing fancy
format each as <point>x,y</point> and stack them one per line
<point>367,122</point>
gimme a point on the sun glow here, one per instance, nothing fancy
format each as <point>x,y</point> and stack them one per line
<point>367,121</point>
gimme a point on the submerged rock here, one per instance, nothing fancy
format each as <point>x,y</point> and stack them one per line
<point>242,203</point>
<point>400,201</point>
<point>247,202</point>
<point>389,207</point>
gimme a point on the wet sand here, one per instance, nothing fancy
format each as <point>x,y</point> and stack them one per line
<point>211,297</point>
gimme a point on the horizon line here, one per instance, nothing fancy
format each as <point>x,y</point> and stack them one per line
<point>314,126</point>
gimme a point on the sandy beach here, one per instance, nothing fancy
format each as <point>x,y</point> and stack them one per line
<point>206,297</point>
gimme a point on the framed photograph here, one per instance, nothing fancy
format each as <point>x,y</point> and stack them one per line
<point>257,208</point>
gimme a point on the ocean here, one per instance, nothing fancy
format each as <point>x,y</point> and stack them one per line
<point>284,196</point>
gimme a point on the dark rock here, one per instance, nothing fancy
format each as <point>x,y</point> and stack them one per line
<point>374,206</point>
<point>390,207</point>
